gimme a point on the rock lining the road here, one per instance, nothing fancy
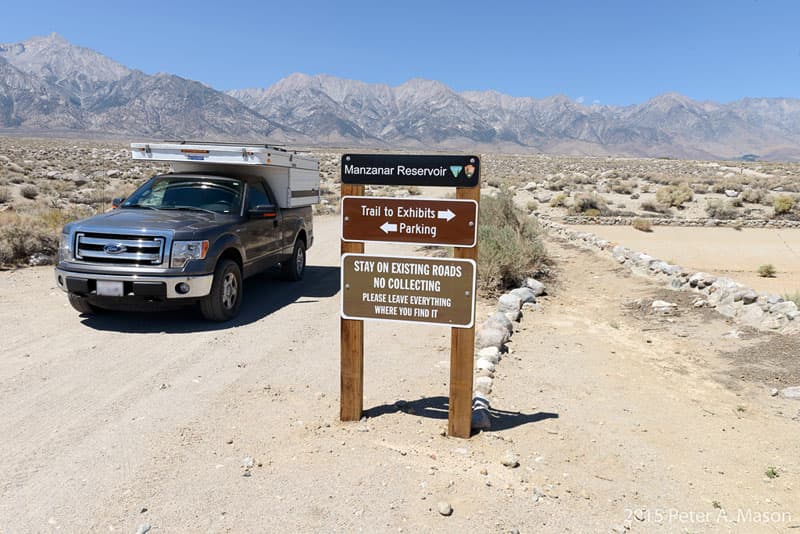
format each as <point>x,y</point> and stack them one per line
<point>490,339</point>
<point>760,310</point>
<point>672,221</point>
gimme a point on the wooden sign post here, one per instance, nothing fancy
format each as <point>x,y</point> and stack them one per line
<point>462,348</point>
<point>352,345</point>
<point>409,289</point>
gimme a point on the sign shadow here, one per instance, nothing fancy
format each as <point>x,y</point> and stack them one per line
<point>437,408</point>
<point>264,294</point>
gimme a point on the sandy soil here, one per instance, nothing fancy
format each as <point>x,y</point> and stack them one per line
<point>724,251</point>
<point>618,417</point>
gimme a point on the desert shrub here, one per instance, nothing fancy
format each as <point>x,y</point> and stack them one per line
<point>718,188</point>
<point>736,202</point>
<point>558,201</point>
<point>651,206</point>
<point>5,195</point>
<point>23,236</point>
<point>623,188</point>
<point>532,205</point>
<point>674,195</point>
<point>717,209</point>
<point>55,219</point>
<point>753,196</point>
<point>783,204</point>
<point>643,225</point>
<point>585,202</point>
<point>699,189</point>
<point>17,180</point>
<point>29,191</point>
<point>560,184</point>
<point>413,190</point>
<point>767,271</point>
<point>511,248</point>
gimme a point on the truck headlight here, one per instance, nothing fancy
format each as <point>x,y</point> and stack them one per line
<point>183,251</point>
<point>65,248</point>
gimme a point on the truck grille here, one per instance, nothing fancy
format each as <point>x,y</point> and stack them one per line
<point>119,249</point>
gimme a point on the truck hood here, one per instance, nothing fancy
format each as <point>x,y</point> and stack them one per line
<point>143,221</point>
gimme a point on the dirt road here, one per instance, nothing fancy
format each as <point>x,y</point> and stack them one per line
<point>124,420</point>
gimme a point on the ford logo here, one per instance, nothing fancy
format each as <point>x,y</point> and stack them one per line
<point>114,248</point>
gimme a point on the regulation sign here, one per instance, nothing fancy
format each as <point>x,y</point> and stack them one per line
<point>405,169</point>
<point>410,220</point>
<point>410,289</point>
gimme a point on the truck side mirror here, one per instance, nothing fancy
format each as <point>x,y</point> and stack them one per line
<point>263,211</point>
<point>117,202</point>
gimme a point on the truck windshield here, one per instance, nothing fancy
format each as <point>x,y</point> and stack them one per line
<point>217,195</point>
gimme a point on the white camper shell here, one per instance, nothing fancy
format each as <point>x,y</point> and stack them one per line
<point>294,179</point>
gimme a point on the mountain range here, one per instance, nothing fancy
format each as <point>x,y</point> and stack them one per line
<point>50,86</point>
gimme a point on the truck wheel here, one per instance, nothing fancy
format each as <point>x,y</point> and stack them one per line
<point>225,298</point>
<point>81,304</point>
<point>294,267</point>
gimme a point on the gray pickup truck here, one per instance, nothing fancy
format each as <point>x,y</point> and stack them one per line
<point>189,237</point>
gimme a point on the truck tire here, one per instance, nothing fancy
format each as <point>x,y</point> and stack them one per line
<point>81,304</point>
<point>294,267</point>
<point>225,298</point>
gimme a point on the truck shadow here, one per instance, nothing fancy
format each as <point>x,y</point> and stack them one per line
<point>264,294</point>
<point>437,407</point>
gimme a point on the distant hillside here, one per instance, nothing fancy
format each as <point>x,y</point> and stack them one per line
<point>48,84</point>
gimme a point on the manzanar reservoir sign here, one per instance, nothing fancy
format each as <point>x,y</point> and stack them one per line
<point>405,288</point>
<point>413,289</point>
<point>394,169</point>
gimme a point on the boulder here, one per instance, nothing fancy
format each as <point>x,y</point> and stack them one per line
<point>730,309</point>
<point>509,303</point>
<point>490,353</point>
<point>526,294</point>
<point>536,286</point>
<point>483,384</point>
<point>485,365</point>
<point>499,319</point>
<point>752,315</point>
<point>490,336</point>
<point>481,419</point>
<point>786,307</point>
<point>663,306</point>
<point>479,399</point>
<point>792,392</point>
<point>774,321</point>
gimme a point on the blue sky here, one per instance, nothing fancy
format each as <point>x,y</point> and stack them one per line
<point>613,52</point>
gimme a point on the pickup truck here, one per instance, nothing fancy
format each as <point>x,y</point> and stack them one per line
<point>188,237</point>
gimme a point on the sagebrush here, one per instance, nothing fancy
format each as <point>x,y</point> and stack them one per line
<point>510,248</point>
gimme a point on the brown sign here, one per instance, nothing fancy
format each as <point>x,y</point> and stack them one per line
<point>410,289</point>
<point>410,220</point>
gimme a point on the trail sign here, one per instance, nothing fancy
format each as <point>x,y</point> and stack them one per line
<point>410,220</point>
<point>409,289</point>
<point>405,169</point>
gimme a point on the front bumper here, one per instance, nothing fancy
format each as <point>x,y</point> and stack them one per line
<point>136,285</point>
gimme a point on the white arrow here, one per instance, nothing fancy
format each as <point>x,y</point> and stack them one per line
<point>386,227</point>
<point>447,215</point>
